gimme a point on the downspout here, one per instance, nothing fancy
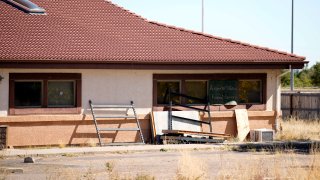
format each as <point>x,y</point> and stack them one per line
<point>276,123</point>
<point>276,97</point>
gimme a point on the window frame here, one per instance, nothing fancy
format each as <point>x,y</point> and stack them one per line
<point>44,77</point>
<point>220,76</point>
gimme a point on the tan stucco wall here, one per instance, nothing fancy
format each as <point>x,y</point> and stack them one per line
<point>35,130</point>
<point>121,86</point>
<point>225,121</point>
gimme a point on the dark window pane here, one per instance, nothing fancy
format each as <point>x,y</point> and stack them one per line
<point>196,89</point>
<point>250,91</point>
<point>162,87</point>
<point>27,94</point>
<point>61,94</point>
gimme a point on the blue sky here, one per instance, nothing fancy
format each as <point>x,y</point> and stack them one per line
<point>265,23</point>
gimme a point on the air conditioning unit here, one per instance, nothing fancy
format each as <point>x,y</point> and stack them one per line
<point>261,135</point>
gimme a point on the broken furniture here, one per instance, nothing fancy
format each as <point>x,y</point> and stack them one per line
<point>95,116</point>
<point>186,136</point>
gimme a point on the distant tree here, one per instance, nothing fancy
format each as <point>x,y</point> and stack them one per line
<point>303,78</point>
<point>308,77</point>
<point>315,77</point>
<point>285,79</point>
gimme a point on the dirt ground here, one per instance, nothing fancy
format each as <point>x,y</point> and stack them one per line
<point>161,164</point>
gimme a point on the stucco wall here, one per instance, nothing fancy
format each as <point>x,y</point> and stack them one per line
<point>121,86</point>
<point>117,87</point>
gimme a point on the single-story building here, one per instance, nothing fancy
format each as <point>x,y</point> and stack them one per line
<point>56,57</point>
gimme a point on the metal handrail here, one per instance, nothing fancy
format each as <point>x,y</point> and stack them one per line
<point>206,108</point>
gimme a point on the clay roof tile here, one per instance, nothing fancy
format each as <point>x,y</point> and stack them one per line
<point>99,31</point>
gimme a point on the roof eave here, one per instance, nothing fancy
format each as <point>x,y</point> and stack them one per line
<point>153,65</point>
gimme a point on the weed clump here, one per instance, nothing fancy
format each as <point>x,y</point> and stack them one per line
<point>300,130</point>
<point>190,167</point>
<point>281,165</point>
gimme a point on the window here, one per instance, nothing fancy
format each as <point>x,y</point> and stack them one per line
<point>250,91</point>
<point>40,91</point>
<point>162,91</point>
<point>195,88</point>
<point>27,93</point>
<point>245,89</point>
<point>61,94</point>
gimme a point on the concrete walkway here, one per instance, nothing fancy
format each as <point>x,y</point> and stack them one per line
<point>277,145</point>
<point>105,149</point>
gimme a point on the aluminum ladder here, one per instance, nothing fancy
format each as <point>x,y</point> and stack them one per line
<point>127,107</point>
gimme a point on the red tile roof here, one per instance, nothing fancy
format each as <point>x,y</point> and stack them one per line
<point>86,31</point>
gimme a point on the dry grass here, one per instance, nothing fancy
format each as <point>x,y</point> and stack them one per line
<point>91,143</point>
<point>63,173</point>
<point>276,166</point>
<point>293,129</point>
<point>262,165</point>
<point>61,144</point>
<point>113,174</point>
<point>191,168</point>
<point>1,155</point>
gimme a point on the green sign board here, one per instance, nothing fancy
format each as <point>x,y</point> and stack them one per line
<point>223,91</point>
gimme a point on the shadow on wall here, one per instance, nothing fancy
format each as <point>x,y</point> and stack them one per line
<point>73,132</point>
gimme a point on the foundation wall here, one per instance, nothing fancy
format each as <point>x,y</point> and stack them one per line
<point>36,130</point>
<point>225,122</point>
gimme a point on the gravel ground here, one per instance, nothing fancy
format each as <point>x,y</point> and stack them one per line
<point>161,164</point>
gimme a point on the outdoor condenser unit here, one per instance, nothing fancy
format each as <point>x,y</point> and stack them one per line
<point>260,135</point>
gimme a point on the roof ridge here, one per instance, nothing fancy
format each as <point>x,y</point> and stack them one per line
<point>205,34</point>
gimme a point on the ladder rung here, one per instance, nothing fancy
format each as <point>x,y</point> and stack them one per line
<point>115,117</point>
<point>112,106</point>
<point>105,107</point>
<point>118,129</point>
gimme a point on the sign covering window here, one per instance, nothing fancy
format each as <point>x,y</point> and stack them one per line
<point>223,91</point>
<point>241,91</point>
